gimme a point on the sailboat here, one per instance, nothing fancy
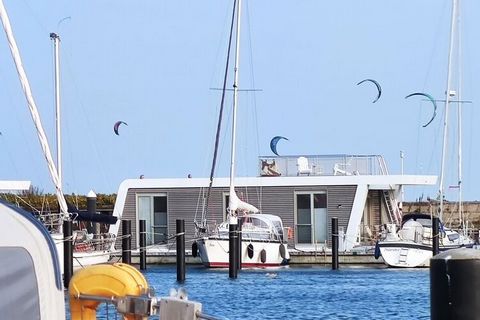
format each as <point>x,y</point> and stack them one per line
<point>263,241</point>
<point>85,257</point>
<point>411,246</point>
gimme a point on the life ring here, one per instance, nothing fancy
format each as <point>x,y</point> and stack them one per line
<point>290,233</point>
<point>263,256</point>
<point>250,251</point>
<point>194,249</point>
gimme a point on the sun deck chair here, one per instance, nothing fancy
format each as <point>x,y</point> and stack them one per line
<point>303,167</point>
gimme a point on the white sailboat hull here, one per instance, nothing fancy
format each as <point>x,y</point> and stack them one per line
<point>402,254</point>
<point>80,259</point>
<point>214,253</point>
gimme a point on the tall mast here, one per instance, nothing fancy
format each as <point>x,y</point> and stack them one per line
<point>33,108</point>
<point>447,103</point>
<point>56,47</point>
<point>235,105</point>
<point>459,119</point>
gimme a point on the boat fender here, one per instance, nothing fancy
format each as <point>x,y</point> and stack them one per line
<point>282,251</point>
<point>376,253</point>
<point>263,256</point>
<point>250,251</point>
<point>290,233</point>
<point>194,249</point>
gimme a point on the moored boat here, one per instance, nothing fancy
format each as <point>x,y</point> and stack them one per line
<point>411,246</point>
<point>263,243</point>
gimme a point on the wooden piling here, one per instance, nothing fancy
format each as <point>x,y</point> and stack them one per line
<point>180,250</point>
<point>334,243</point>
<point>67,252</point>
<point>143,244</point>
<point>127,241</point>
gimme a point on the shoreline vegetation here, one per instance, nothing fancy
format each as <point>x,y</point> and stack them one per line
<point>35,200</point>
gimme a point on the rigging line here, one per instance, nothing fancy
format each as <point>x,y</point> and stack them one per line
<point>36,18</point>
<point>85,115</point>
<point>220,115</point>
<point>429,68</point>
<point>254,96</point>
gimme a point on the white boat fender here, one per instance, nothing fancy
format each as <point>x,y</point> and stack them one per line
<point>282,251</point>
<point>263,256</point>
<point>250,251</point>
<point>377,253</point>
<point>194,249</point>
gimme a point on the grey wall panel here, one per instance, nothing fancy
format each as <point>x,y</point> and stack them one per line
<point>339,204</point>
<point>183,203</point>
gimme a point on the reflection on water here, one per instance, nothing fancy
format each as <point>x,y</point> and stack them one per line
<point>302,292</point>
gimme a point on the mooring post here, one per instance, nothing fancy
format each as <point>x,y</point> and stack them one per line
<point>143,243</point>
<point>454,283</point>
<point>180,250</point>
<point>334,243</point>
<point>127,241</point>
<point>436,238</point>
<point>232,248</point>
<point>239,246</point>
<point>67,252</point>
<point>92,209</point>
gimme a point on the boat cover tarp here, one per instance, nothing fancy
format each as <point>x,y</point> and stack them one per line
<point>94,217</point>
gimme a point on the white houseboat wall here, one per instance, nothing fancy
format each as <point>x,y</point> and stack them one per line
<point>304,191</point>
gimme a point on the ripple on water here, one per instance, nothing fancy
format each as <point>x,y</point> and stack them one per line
<point>302,292</point>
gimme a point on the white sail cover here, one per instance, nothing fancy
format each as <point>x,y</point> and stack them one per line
<point>33,107</point>
<point>236,204</point>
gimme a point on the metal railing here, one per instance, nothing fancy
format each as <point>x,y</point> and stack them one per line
<point>322,165</point>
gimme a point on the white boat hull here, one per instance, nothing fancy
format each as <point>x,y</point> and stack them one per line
<point>214,253</point>
<point>405,255</point>
<point>80,259</point>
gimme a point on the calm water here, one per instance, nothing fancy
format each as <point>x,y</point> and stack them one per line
<point>302,292</point>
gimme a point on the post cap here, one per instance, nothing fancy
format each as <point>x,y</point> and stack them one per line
<point>91,194</point>
<point>458,254</point>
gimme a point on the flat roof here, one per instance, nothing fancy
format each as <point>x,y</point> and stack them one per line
<point>373,181</point>
<point>6,186</point>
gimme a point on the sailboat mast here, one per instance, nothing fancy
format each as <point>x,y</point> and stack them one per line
<point>447,104</point>
<point>32,107</point>
<point>56,48</point>
<point>235,103</point>
<point>459,119</point>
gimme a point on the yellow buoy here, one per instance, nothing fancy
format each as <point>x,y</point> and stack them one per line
<point>107,281</point>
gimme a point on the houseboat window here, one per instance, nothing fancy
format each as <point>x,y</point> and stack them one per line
<point>153,209</point>
<point>311,218</point>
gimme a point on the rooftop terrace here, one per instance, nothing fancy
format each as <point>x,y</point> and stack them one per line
<point>322,165</point>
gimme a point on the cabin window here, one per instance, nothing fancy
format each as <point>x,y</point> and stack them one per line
<point>311,218</point>
<point>19,284</point>
<point>153,209</point>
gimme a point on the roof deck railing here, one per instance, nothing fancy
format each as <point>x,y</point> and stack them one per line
<point>322,165</point>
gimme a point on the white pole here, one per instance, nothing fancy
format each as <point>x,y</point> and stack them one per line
<point>32,107</point>
<point>233,220</point>
<point>459,119</point>
<point>402,192</point>
<point>447,103</point>
<point>56,48</point>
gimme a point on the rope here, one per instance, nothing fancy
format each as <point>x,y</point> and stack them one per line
<point>222,103</point>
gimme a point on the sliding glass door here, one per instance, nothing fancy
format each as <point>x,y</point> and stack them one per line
<point>153,209</point>
<point>311,217</point>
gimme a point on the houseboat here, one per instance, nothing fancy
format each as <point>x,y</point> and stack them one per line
<point>304,191</point>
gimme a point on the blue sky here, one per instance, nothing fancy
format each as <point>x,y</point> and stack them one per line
<point>151,64</point>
